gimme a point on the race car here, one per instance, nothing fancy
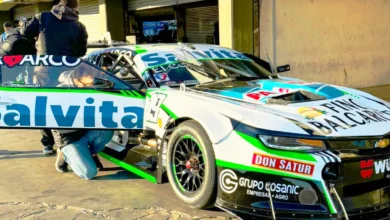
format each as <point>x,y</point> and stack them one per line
<point>225,131</point>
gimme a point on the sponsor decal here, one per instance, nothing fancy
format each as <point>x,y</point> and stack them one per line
<point>368,167</point>
<point>229,183</point>
<point>310,113</point>
<point>156,59</point>
<point>45,60</point>
<point>258,95</point>
<point>161,77</point>
<point>283,90</point>
<point>284,165</point>
<point>164,153</point>
<point>59,115</point>
<point>342,114</point>
<point>121,51</point>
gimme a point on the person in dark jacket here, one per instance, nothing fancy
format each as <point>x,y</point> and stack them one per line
<point>15,44</point>
<point>60,33</point>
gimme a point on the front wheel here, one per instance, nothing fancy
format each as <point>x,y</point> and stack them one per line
<point>191,165</point>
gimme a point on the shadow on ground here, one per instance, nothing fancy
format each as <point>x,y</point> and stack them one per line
<point>121,175</point>
<point>6,155</point>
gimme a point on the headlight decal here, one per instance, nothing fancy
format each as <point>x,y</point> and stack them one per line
<point>292,144</point>
<point>293,155</point>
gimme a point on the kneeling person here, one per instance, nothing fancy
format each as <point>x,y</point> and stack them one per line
<point>79,149</point>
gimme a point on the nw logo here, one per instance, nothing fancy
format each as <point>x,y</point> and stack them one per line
<point>367,168</point>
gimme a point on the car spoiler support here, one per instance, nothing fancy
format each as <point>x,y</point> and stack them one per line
<point>271,204</point>
<point>334,191</point>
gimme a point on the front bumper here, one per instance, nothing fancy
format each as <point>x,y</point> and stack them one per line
<point>244,194</point>
<point>372,213</point>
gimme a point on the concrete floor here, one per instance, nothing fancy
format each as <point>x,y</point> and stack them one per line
<point>31,188</point>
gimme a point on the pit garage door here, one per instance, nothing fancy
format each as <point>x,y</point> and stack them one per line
<point>27,11</point>
<point>200,23</point>
<point>89,16</point>
<point>148,4</point>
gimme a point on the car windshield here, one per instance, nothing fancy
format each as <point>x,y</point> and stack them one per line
<point>206,71</point>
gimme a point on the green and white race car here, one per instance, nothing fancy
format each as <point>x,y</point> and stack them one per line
<point>224,130</point>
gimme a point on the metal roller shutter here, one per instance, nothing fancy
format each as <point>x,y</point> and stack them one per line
<point>89,16</point>
<point>147,4</point>
<point>200,23</point>
<point>27,11</point>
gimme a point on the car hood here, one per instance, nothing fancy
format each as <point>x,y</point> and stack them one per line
<point>270,90</point>
<point>315,108</point>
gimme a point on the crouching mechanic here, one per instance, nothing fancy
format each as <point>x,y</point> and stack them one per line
<point>79,148</point>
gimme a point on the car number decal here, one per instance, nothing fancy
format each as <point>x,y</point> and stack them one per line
<point>154,107</point>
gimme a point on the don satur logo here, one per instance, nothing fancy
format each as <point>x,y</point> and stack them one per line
<point>228,181</point>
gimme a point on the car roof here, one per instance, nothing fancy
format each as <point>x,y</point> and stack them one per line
<point>151,54</point>
<point>141,48</point>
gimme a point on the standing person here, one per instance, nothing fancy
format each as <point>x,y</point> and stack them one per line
<point>7,27</point>
<point>13,43</point>
<point>164,35</point>
<point>60,33</point>
<point>22,24</point>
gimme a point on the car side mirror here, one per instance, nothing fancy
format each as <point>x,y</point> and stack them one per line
<point>102,82</point>
<point>284,68</point>
<point>124,71</point>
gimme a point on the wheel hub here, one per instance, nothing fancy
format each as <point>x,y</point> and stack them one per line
<point>188,164</point>
<point>192,164</point>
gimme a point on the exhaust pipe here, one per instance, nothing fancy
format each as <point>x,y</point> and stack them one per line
<point>152,142</point>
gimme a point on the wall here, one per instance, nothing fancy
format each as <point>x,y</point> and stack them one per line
<point>115,19</point>
<point>338,42</point>
<point>225,12</point>
<point>236,24</point>
<point>43,6</point>
<point>4,16</point>
<point>243,25</point>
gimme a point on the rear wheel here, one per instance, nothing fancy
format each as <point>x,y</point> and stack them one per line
<point>191,165</point>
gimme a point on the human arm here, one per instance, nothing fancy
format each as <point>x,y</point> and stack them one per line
<point>32,29</point>
<point>82,40</point>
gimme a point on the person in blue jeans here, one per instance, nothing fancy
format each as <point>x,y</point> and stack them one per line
<point>80,154</point>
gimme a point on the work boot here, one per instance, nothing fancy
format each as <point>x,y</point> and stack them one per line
<point>48,150</point>
<point>61,165</point>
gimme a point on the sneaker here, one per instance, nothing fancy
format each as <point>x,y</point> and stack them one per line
<point>61,165</point>
<point>48,150</point>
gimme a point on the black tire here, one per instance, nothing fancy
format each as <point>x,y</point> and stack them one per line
<point>205,196</point>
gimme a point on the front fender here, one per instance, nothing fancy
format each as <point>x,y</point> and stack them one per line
<point>209,113</point>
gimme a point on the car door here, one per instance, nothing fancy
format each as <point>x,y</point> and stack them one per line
<point>65,93</point>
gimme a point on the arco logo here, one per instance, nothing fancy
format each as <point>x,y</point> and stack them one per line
<point>43,60</point>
